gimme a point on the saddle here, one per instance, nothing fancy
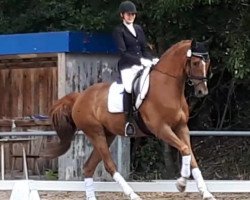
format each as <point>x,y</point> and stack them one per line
<point>139,92</point>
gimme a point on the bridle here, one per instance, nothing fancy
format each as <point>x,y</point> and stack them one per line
<point>190,76</point>
<point>205,58</point>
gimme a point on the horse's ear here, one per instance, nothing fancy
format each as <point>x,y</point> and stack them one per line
<point>208,42</point>
<point>193,44</point>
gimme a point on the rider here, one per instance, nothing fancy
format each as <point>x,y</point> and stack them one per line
<point>131,44</point>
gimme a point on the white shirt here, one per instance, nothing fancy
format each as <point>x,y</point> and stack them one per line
<point>130,28</point>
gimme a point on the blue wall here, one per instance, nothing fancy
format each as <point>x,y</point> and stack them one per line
<point>56,42</point>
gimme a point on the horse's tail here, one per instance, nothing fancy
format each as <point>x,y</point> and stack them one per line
<point>61,116</point>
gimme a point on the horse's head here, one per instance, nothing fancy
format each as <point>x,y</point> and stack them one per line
<point>197,67</point>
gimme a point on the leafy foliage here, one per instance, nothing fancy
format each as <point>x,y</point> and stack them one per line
<point>146,160</point>
<point>171,21</point>
<point>53,15</point>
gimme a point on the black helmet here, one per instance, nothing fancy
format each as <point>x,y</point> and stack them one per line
<point>127,6</point>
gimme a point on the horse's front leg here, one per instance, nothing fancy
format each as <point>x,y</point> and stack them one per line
<point>165,133</point>
<point>183,134</point>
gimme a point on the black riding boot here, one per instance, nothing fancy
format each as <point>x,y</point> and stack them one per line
<point>127,106</point>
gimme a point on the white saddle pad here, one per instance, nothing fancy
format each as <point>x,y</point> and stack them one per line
<point>115,96</point>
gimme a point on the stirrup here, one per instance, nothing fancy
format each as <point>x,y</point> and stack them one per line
<point>129,129</point>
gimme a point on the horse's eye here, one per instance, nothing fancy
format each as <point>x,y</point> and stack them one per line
<point>196,63</point>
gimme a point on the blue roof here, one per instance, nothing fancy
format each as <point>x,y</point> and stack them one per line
<point>56,42</point>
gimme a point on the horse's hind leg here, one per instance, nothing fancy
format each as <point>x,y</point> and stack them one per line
<point>183,134</point>
<point>99,142</point>
<point>89,169</point>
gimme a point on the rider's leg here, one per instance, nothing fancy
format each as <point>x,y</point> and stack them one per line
<point>127,76</point>
<point>128,111</point>
<point>127,105</point>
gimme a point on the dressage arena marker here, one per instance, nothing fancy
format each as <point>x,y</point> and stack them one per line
<point>219,186</point>
<point>22,191</point>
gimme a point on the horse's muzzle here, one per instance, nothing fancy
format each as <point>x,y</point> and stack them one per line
<point>200,92</point>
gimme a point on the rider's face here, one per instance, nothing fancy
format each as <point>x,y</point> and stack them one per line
<point>128,17</point>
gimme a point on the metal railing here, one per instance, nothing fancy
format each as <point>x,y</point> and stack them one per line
<point>192,133</point>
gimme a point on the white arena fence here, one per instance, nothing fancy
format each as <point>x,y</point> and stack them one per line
<point>227,186</point>
<point>218,186</point>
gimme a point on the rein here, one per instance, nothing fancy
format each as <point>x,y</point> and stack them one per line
<point>164,73</point>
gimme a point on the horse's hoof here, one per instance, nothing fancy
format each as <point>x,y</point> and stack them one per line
<point>208,196</point>
<point>181,184</point>
<point>91,198</point>
<point>134,196</point>
<point>137,198</point>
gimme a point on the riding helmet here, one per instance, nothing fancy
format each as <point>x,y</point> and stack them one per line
<point>127,6</point>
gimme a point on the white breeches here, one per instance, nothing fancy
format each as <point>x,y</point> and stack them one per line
<point>128,76</point>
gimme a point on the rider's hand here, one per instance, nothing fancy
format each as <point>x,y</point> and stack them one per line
<point>155,61</point>
<point>146,62</point>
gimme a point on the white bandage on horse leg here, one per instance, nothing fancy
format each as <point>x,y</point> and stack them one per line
<point>185,169</point>
<point>119,179</point>
<point>89,188</point>
<point>199,180</point>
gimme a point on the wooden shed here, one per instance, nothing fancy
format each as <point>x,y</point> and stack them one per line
<point>38,68</point>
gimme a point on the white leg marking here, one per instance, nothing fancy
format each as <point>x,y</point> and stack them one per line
<point>126,188</point>
<point>185,169</point>
<point>90,190</point>
<point>201,184</point>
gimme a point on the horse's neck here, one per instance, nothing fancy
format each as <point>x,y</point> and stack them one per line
<point>173,62</point>
<point>169,77</point>
<point>165,86</point>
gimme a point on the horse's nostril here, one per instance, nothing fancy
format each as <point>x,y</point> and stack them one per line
<point>200,93</point>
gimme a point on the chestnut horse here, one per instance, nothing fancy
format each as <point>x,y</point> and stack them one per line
<point>164,111</point>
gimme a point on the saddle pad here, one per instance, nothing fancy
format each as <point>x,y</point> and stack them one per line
<point>115,98</point>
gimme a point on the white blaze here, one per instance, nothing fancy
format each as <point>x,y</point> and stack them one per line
<point>204,71</point>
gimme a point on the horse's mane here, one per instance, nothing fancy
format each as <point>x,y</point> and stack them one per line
<point>175,47</point>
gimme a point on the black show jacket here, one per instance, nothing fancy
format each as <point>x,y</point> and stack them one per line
<point>131,48</point>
